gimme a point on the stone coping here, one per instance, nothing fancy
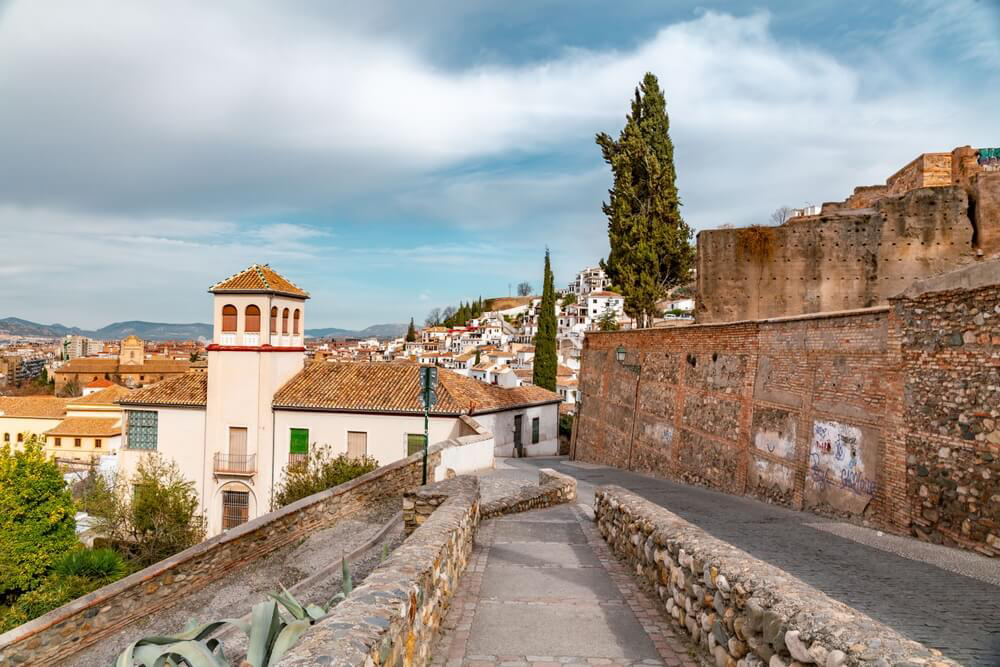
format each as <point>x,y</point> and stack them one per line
<point>205,550</point>
<point>392,617</point>
<point>741,610</point>
<point>554,488</point>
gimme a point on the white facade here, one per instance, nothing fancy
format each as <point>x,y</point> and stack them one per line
<point>501,425</point>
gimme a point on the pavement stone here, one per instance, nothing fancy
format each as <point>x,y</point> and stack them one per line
<point>956,614</point>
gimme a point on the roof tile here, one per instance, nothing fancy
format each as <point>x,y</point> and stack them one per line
<point>259,278</point>
<point>189,390</point>
<point>87,426</point>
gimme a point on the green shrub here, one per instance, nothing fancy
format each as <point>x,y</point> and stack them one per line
<point>320,471</point>
<point>37,522</point>
<point>100,565</point>
<point>54,592</point>
<point>566,426</point>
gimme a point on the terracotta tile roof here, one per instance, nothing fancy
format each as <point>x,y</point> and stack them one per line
<point>90,365</point>
<point>107,396</point>
<point>524,373</point>
<point>49,407</point>
<point>87,426</point>
<point>395,387</point>
<point>157,366</point>
<point>190,389</point>
<point>99,384</point>
<point>259,278</point>
<point>111,365</point>
<point>604,293</point>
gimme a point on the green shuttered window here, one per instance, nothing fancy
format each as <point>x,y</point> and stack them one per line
<point>534,430</point>
<point>300,441</point>
<point>414,443</point>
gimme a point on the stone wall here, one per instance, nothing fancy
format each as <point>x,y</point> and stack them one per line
<point>554,488</point>
<point>88,619</point>
<point>390,620</point>
<point>741,611</point>
<point>950,347</point>
<point>890,416</point>
<point>840,260</point>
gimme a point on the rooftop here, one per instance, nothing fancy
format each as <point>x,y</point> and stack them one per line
<point>259,278</point>
<point>188,390</point>
<point>395,387</point>
<point>108,396</point>
<point>87,426</point>
<point>46,407</point>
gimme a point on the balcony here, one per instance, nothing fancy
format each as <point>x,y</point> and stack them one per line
<point>244,465</point>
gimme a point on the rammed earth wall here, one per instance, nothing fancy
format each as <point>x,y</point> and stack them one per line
<point>96,615</point>
<point>741,611</point>
<point>889,415</point>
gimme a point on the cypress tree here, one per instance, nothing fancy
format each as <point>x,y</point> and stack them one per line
<point>650,242</point>
<point>543,372</point>
<point>411,332</point>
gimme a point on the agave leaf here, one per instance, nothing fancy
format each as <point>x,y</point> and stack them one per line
<point>289,602</point>
<point>347,585</point>
<point>315,612</point>
<point>335,599</point>
<point>265,623</point>
<point>194,653</point>
<point>286,639</point>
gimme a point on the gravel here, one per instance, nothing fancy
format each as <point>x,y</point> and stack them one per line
<point>235,594</point>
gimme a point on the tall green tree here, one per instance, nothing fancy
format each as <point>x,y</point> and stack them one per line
<point>543,373</point>
<point>650,242</point>
<point>411,332</point>
<point>37,525</point>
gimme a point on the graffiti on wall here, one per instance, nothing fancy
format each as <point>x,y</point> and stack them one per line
<point>989,159</point>
<point>835,459</point>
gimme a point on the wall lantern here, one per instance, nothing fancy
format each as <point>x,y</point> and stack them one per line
<point>620,355</point>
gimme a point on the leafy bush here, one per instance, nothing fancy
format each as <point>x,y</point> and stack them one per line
<point>37,522</point>
<point>566,426</point>
<point>54,592</point>
<point>320,471</point>
<point>151,515</point>
<point>100,565</point>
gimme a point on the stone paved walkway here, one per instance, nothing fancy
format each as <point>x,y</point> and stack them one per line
<point>544,590</point>
<point>912,587</point>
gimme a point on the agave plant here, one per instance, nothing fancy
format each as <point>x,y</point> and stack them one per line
<point>269,636</point>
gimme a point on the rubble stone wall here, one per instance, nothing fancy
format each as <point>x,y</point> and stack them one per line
<point>88,619</point>
<point>739,610</point>
<point>554,488</point>
<point>889,415</point>
<point>391,619</point>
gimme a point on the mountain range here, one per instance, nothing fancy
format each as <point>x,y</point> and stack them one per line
<point>15,326</point>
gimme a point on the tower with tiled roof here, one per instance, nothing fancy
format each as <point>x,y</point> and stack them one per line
<point>257,346</point>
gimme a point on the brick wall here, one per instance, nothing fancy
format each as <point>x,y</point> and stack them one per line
<point>105,611</point>
<point>883,414</point>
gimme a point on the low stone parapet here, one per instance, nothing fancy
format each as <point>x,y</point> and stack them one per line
<point>392,617</point>
<point>740,610</point>
<point>554,488</point>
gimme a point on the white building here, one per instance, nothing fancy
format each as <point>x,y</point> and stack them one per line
<point>235,428</point>
<point>589,280</point>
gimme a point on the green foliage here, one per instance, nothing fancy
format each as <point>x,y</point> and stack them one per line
<point>608,321</point>
<point>99,565</point>
<point>71,388</point>
<point>151,515</point>
<point>54,591</point>
<point>457,317</point>
<point>650,242</point>
<point>320,471</point>
<point>545,363</point>
<point>37,522</point>
<point>411,332</point>
<point>569,299</point>
<point>566,425</point>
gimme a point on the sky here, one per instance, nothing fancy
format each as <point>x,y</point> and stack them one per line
<point>399,156</point>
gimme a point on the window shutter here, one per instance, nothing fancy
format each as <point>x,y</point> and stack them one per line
<point>299,441</point>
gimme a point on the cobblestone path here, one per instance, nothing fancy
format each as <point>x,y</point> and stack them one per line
<point>543,590</point>
<point>937,596</point>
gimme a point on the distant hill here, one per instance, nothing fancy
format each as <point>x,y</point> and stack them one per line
<point>15,326</point>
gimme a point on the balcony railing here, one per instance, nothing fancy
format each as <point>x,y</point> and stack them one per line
<point>235,464</point>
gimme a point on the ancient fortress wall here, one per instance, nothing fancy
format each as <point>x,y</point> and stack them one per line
<point>888,414</point>
<point>937,214</point>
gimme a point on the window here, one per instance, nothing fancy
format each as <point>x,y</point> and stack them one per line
<point>357,444</point>
<point>252,323</point>
<point>58,442</point>
<point>414,443</point>
<point>298,447</point>
<point>274,320</point>
<point>237,441</point>
<point>141,429</point>
<point>20,437</point>
<point>295,321</point>
<point>284,321</point>
<point>235,508</point>
<point>77,442</point>
<point>534,430</point>
<point>97,443</point>
<point>229,318</point>
<point>6,437</point>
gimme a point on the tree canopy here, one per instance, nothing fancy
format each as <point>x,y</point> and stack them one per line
<point>650,242</point>
<point>545,364</point>
<point>411,332</point>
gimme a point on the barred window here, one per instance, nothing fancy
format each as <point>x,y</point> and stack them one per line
<point>141,429</point>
